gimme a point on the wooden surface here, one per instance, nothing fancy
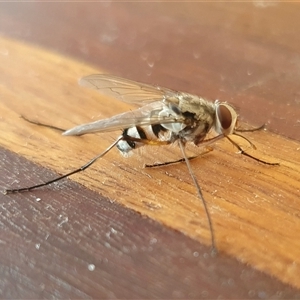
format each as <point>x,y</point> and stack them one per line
<point>133,232</point>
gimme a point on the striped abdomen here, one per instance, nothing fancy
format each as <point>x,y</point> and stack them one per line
<point>152,132</point>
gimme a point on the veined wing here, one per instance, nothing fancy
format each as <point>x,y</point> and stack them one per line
<point>126,90</point>
<point>146,115</point>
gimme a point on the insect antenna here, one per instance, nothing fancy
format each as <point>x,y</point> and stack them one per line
<point>199,192</point>
<point>82,168</point>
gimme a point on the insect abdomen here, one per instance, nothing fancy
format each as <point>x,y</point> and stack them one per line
<point>152,132</point>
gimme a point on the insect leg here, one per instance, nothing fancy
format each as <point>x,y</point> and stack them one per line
<point>247,154</point>
<point>42,124</point>
<point>82,168</point>
<point>214,248</point>
<point>209,149</point>
<point>252,129</point>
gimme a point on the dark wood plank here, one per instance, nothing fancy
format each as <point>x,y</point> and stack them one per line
<point>70,242</point>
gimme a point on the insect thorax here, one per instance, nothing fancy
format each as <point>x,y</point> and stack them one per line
<point>199,115</point>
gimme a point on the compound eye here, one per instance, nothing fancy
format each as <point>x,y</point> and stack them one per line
<point>224,116</point>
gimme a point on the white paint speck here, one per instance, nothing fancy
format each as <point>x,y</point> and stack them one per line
<point>153,241</point>
<point>114,231</point>
<point>64,220</point>
<point>196,254</point>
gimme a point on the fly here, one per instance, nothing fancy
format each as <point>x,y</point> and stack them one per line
<point>164,117</point>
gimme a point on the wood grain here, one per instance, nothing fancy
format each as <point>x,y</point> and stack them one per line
<point>71,242</point>
<point>254,207</point>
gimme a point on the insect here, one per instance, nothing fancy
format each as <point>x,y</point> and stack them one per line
<point>164,117</point>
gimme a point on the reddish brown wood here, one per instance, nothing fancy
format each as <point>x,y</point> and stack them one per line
<point>50,239</point>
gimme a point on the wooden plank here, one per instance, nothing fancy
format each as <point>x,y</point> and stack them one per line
<point>71,242</point>
<point>253,206</point>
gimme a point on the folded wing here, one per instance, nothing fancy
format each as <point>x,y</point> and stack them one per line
<point>126,90</point>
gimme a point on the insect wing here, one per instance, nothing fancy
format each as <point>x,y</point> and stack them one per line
<point>126,90</point>
<point>146,115</point>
